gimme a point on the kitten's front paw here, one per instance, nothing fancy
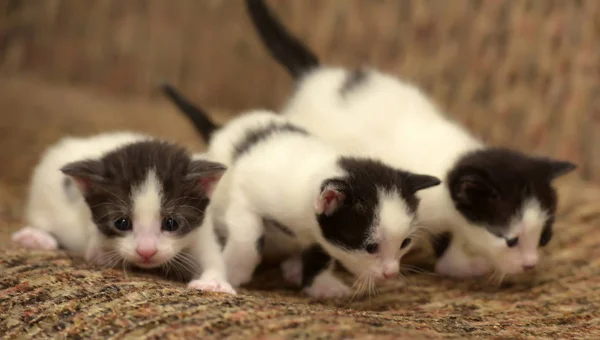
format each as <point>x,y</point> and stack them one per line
<point>327,286</point>
<point>212,285</point>
<point>33,238</point>
<point>292,270</point>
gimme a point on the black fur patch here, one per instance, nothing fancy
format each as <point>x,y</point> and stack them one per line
<point>314,261</point>
<point>350,225</point>
<point>112,179</point>
<point>490,186</point>
<point>440,243</point>
<point>353,80</point>
<point>260,244</point>
<point>288,50</point>
<point>270,223</point>
<point>263,133</point>
<point>547,232</point>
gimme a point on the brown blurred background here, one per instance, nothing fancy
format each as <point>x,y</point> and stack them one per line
<point>524,74</point>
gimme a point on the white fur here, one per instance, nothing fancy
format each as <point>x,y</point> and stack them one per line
<point>56,217</point>
<point>394,120</point>
<point>281,179</point>
<point>223,141</point>
<point>327,286</point>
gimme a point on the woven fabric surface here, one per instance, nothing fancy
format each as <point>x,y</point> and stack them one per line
<point>49,294</point>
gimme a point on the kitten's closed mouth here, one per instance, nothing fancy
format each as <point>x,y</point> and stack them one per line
<point>150,263</point>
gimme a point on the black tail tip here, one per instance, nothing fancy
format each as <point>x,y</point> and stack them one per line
<point>166,87</point>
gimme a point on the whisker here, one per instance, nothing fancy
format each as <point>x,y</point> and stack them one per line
<point>174,265</point>
<point>417,270</point>
<point>358,287</point>
<point>125,266</point>
<point>189,263</point>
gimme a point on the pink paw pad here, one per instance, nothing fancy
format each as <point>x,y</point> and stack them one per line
<point>212,286</point>
<point>292,270</point>
<point>33,238</point>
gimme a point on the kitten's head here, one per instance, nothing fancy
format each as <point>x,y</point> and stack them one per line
<point>145,199</point>
<point>367,216</point>
<point>508,199</point>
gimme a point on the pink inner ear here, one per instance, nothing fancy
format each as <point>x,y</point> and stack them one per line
<point>329,201</point>
<point>82,184</point>
<point>209,183</point>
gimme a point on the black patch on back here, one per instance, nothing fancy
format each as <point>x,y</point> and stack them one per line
<point>350,225</point>
<point>353,80</point>
<point>272,224</point>
<point>286,49</point>
<point>509,178</point>
<point>263,133</point>
<point>440,243</point>
<point>126,168</point>
<point>314,261</point>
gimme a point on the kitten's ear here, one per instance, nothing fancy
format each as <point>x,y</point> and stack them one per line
<point>419,182</point>
<point>471,188</point>
<point>332,196</point>
<point>206,173</point>
<point>85,173</point>
<point>559,168</point>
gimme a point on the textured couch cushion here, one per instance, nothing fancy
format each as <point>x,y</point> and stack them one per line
<point>49,294</point>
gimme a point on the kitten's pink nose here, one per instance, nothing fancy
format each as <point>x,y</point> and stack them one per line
<point>390,269</point>
<point>530,261</point>
<point>389,275</point>
<point>146,253</point>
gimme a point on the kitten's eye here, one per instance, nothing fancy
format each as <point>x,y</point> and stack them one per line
<point>372,248</point>
<point>123,224</point>
<point>405,243</point>
<point>512,242</point>
<point>169,224</point>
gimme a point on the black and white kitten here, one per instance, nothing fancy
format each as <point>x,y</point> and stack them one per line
<point>495,207</point>
<point>126,197</point>
<point>318,205</point>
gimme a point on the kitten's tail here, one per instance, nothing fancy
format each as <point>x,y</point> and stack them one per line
<point>199,117</point>
<point>284,47</point>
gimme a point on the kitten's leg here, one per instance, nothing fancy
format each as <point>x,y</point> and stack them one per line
<point>34,238</point>
<point>292,269</point>
<point>206,251</point>
<point>241,253</point>
<point>454,262</point>
<point>318,280</point>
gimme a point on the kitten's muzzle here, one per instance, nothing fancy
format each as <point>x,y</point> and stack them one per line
<point>146,254</point>
<point>390,269</point>
<point>528,267</point>
<point>389,275</point>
